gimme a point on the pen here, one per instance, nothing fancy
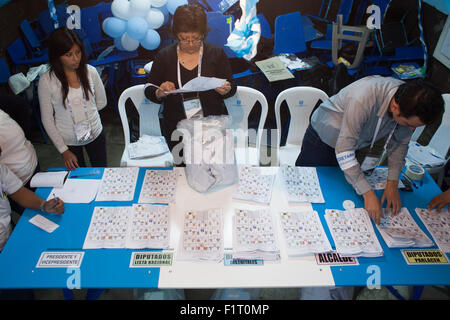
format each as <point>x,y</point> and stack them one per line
<point>54,197</point>
<point>409,180</point>
<point>83,175</point>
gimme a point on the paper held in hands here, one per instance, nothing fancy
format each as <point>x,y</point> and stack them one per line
<point>200,84</point>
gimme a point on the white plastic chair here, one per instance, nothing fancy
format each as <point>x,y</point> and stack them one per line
<point>239,107</point>
<point>148,124</point>
<point>439,143</point>
<point>300,101</point>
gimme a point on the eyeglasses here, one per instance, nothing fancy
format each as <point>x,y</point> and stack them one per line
<point>193,41</point>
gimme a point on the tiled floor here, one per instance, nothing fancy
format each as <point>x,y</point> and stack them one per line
<point>50,158</point>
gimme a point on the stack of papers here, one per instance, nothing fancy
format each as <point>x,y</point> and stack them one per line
<point>407,71</point>
<point>147,146</point>
<point>274,69</point>
<point>424,155</point>
<point>254,235</point>
<point>202,237</point>
<point>53,179</point>
<point>438,224</point>
<point>402,231</point>
<point>353,233</point>
<point>136,227</point>
<point>255,184</point>
<point>304,233</point>
<point>293,62</point>
<point>302,184</point>
<point>118,184</point>
<point>149,227</point>
<point>159,186</point>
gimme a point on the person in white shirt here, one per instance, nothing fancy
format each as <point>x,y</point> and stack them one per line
<point>11,186</point>
<point>70,95</point>
<point>18,153</point>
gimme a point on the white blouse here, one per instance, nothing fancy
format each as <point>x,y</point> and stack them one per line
<point>57,120</point>
<point>18,153</point>
<point>9,184</point>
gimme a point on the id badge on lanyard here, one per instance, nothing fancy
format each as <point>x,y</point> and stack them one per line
<point>82,129</point>
<point>192,106</point>
<point>371,161</point>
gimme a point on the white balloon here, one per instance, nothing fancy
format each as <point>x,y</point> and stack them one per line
<point>129,44</point>
<point>121,9</point>
<point>139,8</point>
<point>172,5</point>
<point>155,18</point>
<point>158,3</point>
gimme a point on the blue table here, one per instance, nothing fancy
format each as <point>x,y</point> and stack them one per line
<point>392,266</point>
<point>109,268</point>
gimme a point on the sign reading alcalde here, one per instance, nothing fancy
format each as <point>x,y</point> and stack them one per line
<point>334,259</point>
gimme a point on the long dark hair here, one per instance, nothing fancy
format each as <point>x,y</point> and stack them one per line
<point>60,42</point>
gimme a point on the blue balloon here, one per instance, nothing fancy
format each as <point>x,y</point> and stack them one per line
<point>165,12</point>
<point>118,44</point>
<point>151,40</point>
<point>172,5</point>
<point>137,28</point>
<point>114,27</point>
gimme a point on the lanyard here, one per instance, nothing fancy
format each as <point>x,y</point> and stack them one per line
<point>84,106</point>
<point>376,133</point>
<point>199,67</point>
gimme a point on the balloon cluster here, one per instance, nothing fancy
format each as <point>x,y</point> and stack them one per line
<point>135,22</point>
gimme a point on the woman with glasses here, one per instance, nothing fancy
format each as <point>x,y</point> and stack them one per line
<point>191,56</point>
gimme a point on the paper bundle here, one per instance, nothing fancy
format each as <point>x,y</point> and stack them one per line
<point>402,231</point>
<point>353,233</point>
<point>254,235</point>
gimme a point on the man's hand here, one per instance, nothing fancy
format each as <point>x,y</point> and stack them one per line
<point>392,197</point>
<point>440,201</point>
<point>373,206</point>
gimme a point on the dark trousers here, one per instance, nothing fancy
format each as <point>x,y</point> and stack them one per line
<point>314,152</point>
<point>96,151</point>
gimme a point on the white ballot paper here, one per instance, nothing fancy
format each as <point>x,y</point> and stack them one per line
<point>118,184</point>
<point>402,231</point>
<point>49,179</point>
<point>43,223</point>
<point>304,233</point>
<point>76,191</point>
<point>437,223</point>
<point>200,84</point>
